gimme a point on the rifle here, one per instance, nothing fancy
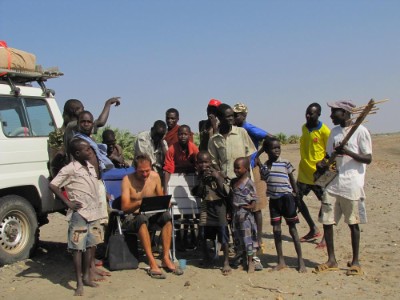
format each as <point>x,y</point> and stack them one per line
<point>323,178</point>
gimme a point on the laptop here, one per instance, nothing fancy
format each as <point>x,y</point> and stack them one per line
<point>155,204</point>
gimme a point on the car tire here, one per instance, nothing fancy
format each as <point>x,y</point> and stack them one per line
<point>19,231</point>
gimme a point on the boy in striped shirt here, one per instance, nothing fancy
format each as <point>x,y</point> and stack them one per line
<point>282,193</point>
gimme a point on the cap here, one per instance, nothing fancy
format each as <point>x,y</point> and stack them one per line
<point>240,108</point>
<point>347,105</point>
<point>214,102</point>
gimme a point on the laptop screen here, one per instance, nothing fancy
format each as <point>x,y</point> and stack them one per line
<point>155,204</point>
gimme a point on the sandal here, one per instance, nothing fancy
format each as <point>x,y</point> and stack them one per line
<point>310,236</point>
<point>177,271</point>
<point>354,271</point>
<point>155,274</point>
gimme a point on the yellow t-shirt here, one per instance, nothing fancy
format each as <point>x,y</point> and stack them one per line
<point>312,150</point>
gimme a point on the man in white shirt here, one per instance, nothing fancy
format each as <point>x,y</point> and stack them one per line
<point>345,194</point>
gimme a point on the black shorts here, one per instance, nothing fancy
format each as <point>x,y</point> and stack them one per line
<point>304,190</point>
<point>284,206</point>
<point>210,232</point>
<point>132,222</point>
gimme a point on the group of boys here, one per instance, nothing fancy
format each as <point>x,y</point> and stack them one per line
<point>161,151</point>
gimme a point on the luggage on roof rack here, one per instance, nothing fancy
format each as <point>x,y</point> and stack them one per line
<point>15,77</point>
<point>23,76</point>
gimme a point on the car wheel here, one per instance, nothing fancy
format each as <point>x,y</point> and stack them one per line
<point>18,229</point>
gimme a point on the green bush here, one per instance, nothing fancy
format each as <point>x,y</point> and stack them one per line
<point>293,139</point>
<point>124,138</point>
<point>196,138</point>
<point>282,138</point>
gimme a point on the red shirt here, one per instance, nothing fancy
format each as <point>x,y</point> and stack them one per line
<point>172,136</point>
<point>177,161</point>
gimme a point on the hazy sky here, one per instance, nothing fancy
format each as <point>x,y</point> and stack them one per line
<point>275,56</point>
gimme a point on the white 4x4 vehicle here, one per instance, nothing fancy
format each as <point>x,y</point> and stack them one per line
<point>27,115</point>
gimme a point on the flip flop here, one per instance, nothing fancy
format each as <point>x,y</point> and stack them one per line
<point>177,271</point>
<point>310,236</point>
<point>354,271</point>
<point>155,274</point>
<point>322,268</point>
<point>321,246</point>
<point>98,262</point>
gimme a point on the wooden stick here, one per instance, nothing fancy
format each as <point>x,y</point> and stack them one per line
<point>357,111</point>
<point>375,102</point>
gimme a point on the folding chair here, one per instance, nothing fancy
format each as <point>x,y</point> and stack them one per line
<point>112,180</point>
<point>183,202</point>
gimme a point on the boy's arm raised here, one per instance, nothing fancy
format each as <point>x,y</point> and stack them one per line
<point>102,119</point>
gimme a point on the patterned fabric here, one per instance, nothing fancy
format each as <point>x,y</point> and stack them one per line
<point>245,228</point>
<point>81,184</point>
<point>277,178</point>
<point>56,139</point>
<point>244,194</point>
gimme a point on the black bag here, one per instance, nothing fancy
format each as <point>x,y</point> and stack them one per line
<point>121,253</point>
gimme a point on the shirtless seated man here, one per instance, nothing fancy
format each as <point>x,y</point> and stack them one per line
<point>147,183</point>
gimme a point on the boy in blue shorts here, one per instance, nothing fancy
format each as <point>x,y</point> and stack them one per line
<point>282,193</point>
<point>84,210</point>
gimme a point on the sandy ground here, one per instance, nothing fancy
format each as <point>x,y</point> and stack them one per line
<point>49,274</point>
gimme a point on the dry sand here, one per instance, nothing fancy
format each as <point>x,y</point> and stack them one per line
<point>49,274</point>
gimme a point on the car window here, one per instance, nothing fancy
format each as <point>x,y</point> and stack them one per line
<point>25,117</point>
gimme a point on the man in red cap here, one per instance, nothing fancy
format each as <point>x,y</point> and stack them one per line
<point>209,127</point>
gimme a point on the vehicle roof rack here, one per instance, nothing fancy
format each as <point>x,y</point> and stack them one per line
<point>13,77</point>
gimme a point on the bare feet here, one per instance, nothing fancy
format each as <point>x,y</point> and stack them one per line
<point>167,263</point>
<point>99,278</point>
<point>302,267</point>
<point>89,282</point>
<point>251,266</point>
<point>226,270</point>
<point>279,267</point>
<point>101,272</point>
<point>79,290</point>
<point>321,245</point>
<point>95,275</point>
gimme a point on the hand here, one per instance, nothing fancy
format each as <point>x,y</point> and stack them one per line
<point>250,206</point>
<point>322,165</point>
<point>297,202</point>
<point>74,205</point>
<point>341,150</point>
<point>213,120</point>
<point>114,100</point>
<point>257,161</point>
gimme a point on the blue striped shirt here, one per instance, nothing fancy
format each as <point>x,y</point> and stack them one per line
<point>277,178</point>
